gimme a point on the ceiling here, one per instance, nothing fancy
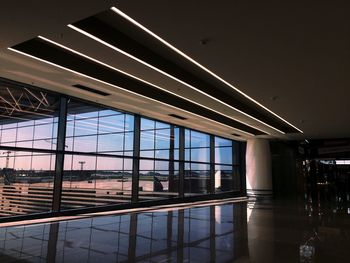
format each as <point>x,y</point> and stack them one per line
<point>290,56</point>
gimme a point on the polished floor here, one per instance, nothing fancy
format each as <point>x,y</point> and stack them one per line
<point>229,232</point>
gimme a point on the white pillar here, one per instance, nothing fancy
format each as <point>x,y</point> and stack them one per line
<point>258,168</point>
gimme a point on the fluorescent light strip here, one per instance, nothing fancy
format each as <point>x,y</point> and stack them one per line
<point>116,10</point>
<point>144,81</point>
<point>115,86</point>
<point>166,74</point>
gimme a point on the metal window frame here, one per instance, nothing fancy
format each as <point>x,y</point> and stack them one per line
<point>238,160</point>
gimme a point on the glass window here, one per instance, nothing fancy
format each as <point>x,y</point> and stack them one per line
<point>163,154</point>
<point>85,127</point>
<point>163,139</point>
<point>162,125</point>
<point>111,124</point>
<point>222,142</point>
<point>34,117</point>
<point>223,178</point>
<point>25,133</point>
<point>26,182</point>
<point>44,131</point>
<point>98,161</point>
<point>85,143</point>
<point>158,179</point>
<point>223,155</point>
<point>95,180</point>
<point>197,182</point>
<point>147,124</point>
<point>199,139</point>
<point>8,135</point>
<point>200,155</point>
<point>111,142</point>
<point>147,140</point>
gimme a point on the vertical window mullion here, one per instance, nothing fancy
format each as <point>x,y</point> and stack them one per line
<point>181,161</point>
<point>61,140</point>
<point>212,164</point>
<point>171,159</point>
<point>136,160</point>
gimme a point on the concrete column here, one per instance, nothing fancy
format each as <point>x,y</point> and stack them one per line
<point>258,168</point>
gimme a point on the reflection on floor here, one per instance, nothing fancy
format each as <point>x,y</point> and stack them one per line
<point>230,232</point>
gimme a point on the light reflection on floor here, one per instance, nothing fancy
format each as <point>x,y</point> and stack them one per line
<point>211,232</point>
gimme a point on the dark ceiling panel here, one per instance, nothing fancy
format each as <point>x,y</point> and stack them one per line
<point>125,36</point>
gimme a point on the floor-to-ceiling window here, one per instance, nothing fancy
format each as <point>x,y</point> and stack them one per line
<point>223,176</point>
<point>197,166</point>
<point>62,153</point>
<point>159,155</point>
<point>98,159</point>
<point>28,131</point>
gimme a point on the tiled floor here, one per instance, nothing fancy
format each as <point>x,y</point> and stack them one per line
<point>231,232</point>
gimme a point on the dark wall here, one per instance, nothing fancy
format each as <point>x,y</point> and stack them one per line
<point>284,169</point>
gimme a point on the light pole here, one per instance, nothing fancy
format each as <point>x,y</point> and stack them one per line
<point>7,158</point>
<point>82,165</point>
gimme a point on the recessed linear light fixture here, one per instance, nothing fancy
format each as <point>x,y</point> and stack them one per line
<point>144,81</point>
<point>177,116</point>
<point>115,86</point>
<point>172,77</point>
<point>98,92</point>
<point>166,74</point>
<point>122,14</point>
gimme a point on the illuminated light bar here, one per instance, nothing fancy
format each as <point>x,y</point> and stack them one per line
<point>146,82</point>
<point>168,75</point>
<point>115,86</point>
<point>125,16</point>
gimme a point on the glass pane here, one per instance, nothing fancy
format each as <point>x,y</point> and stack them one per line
<point>45,144</point>
<point>223,178</point>
<point>85,143</point>
<point>187,138</point>
<point>223,155</point>
<point>199,139</point>
<point>161,165</point>
<point>25,133</point>
<point>147,124</point>
<point>159,184</point>
<point>8,135</point>
<point>162,125</point>
<point>149,154</point>
<point>129,122</point>
<point>128,141</point>
<point>200,166</point>
<point>107,112</point>
<point>95,181</point>
<point>200,155</point>
<point>26,182</point>
<point>163,139</point>
<point>162,154</point>
<point>31,108</point>
<point>25,144</point>
<point>111,124</point>
<point>176,138</point>
<point>146,165</point>
<point>85,127</point>
<point>43,131</point>
<point>222,142</point>
<point>110,142</point>
<point>147,140</point>
<point>197,182</point>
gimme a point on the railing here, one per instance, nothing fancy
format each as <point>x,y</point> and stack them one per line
<point>25,199</point>
<point>21,199</point>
